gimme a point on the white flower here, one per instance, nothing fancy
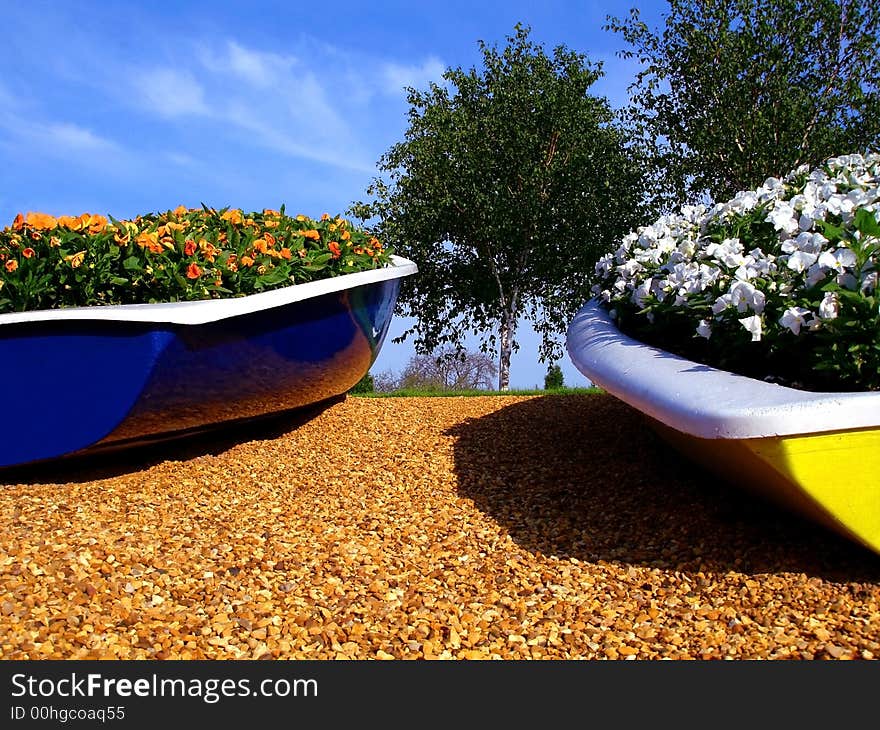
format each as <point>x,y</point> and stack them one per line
<point>753,325</point>
<point>794,318</point>
<point>729,252</point>
<point>815,274</point>
<point>783,217</point>
<point>641,292</point>
<point>838,260</point>
<point>801,260</point>
<point>743,296</point>
<point>699,257</point>
<point>829,307</point>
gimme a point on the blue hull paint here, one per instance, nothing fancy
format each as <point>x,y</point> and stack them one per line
<point>72,385</point>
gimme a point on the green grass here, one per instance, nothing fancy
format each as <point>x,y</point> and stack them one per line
<point>413,393</point>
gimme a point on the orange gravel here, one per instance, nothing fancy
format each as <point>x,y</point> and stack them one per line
<point>461,528</point>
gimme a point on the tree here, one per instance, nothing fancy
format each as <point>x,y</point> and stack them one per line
<point>734,91</point>
<point>385,381</point>
<point>449,369</point>
<point>364,385</point>
<point>553,380</point>
<point>510,183</point>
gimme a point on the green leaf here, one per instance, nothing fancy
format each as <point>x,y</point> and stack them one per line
<point>866,222</point>
<point>275,276</point>
<point>133,263</point>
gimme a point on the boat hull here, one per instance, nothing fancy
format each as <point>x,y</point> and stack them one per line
<point>77,384</point>
<point>817,454</point>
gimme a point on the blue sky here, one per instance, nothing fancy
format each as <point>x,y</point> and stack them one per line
<point>128,107</point>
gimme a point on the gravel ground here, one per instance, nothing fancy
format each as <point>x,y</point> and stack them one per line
<point>463,528</point>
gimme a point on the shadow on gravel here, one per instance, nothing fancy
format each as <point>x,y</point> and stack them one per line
<point>117,461</point>
<point>585,477</point>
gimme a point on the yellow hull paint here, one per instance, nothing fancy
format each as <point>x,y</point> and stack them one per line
<point>832,478</point>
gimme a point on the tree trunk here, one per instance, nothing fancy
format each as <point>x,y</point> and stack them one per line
<point>506,331</point>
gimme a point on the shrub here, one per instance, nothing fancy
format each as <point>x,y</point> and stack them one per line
<point>181,254</point>
<point>778,283</point>
<point>553,380</point>
<point>364,385</point>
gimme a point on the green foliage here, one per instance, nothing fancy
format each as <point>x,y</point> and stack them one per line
<point>178,255</point>
<point>780,283</point>
<point>511,181</point>
<point>434,393</point>
<point>553,380</point>
<point>732,91</point>
<point>364,385</point>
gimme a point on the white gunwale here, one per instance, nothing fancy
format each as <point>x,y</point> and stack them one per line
<point>213,310</point>
<point>700,400</point>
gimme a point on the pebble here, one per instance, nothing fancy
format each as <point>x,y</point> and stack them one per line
<point>509,527</point>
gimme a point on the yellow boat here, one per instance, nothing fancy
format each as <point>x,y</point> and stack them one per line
<point>817,454</point>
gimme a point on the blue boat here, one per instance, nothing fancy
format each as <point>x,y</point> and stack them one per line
<point>77,380</point>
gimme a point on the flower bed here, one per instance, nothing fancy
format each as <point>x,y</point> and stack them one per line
<point>179,255</point>
<point>779,283</point>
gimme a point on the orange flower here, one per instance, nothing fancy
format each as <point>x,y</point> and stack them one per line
<point>346,235</point>
<point>234,216</point>
<point>28,252</point>
<point>155,247</point>
<point>76,259</point>
<point>179,211</point>
<point>18,223</point>
<point>189,248</point>
<point>300,217</point>
<point>302,253</point>
<point>208,249</point>
<point>260,246</point>
<point>270,239</point>
<point>11,265</point>
<point>121,238</point>
<point>169,228</point>
<point>285,253</point>
<point>193,271</point>
<point>68,221</point>
<point>41,221</point>
<point>147,238</point>
<point>313,234</point>
<point>334,249</point>
<point>269,211</point>
<point>325,216</point>
<point>270,224</point>
<point>247,261</point>
<point>374,242</point>
<point>358,250</point>
<point>97,223</point>
<point>231,263</point>
<point>54,242</point>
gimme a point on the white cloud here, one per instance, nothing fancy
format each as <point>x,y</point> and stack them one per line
<point>329,151</point>
<point>181,159</point>
<point>258,68</point>
<point>73,137</point>
<point>55,138</point>
<point>171,93</point>
<point>396,77</point>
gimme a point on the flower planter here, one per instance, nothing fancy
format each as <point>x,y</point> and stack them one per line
<point>815,453</point>
<point>82,379</point>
